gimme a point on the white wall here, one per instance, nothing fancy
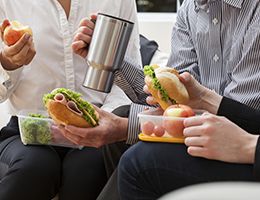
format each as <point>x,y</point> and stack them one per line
<point>158,27</point>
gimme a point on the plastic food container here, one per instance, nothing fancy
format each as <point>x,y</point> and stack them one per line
<point>41,131</point>
<point>158,128</point>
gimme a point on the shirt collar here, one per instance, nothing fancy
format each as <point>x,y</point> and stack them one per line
<point>234,3</point>
<point>203,4</point>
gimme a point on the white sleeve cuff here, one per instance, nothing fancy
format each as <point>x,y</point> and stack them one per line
<point>7,81</point>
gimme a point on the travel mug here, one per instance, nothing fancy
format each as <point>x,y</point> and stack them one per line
<point>106,51</point>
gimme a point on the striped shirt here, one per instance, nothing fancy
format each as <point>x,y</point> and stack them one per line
<point>218,43</point>
<point>220,47</point>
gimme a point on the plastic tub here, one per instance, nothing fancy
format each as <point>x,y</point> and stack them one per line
<point>155,125</point>
<point>41,131</point>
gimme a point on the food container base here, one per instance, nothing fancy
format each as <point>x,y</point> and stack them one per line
<point>148,138</point>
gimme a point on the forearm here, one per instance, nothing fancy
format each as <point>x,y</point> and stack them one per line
<point>122,128</point>
<point>211,101</point>
<point>248,149</point>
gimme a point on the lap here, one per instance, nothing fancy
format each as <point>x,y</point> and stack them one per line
<point>172,160</point>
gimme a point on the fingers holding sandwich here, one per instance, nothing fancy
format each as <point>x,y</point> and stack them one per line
<point>66,107</point>
<point>165,86</point>
<point>97,136</point>
<point>199,97</point>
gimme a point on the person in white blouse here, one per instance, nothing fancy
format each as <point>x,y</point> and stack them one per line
<point>35,65</point>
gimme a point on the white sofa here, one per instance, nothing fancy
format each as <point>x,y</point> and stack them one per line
<point>217,191</point>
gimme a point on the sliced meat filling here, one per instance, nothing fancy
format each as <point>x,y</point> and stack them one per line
<point>72,106</point>
<point>60,98</point>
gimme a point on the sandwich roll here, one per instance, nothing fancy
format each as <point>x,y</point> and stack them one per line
<point>64,116</point>
<point>165,86</point>
<point>66,107</point>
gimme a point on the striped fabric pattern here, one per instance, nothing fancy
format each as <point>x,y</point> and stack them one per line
<point>220,47</point>
<point>218,44</point>
<point>131,80</point>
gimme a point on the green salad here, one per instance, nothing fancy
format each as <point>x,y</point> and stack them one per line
<point>35,131</point>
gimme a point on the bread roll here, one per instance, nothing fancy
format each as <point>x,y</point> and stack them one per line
<point>62,115</point>
<point>169,81</point>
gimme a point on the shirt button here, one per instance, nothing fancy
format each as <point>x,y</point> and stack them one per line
<point>118,78</point>
<point>215,21</point>
<point>216,58</point>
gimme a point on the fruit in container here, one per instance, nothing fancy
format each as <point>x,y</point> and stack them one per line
<point>147,128</point>
<point>175,114</point>
<point>159,131</point>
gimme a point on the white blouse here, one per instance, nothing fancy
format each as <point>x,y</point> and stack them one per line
<point>55,65</point>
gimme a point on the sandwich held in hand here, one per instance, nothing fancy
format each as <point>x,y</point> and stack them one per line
<point>66,107</point>
<point>165,86</point>
<point>13,31</point>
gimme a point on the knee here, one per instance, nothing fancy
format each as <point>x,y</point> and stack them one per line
<point>39,163</point>
<point>140,158</point>
<point>131,162</point>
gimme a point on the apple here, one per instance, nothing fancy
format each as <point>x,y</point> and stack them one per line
<point>174,126</point>
<point>147,128</point>
<point>159,130</point>
<point>13,31</point>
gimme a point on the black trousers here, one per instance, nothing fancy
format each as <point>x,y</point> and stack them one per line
<point>40,172</point>
<point>146,171</point>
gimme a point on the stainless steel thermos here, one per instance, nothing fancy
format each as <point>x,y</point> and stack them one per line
<point>106,51</point>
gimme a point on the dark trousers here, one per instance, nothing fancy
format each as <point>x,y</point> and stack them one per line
<point>149,170</point>
<point>40,172</point>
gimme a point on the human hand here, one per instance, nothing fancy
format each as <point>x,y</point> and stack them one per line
<point>214,137</point>
<point>83,36</point>
<point>21,53</point>
<point>200,97</point>
<point>111,129</point>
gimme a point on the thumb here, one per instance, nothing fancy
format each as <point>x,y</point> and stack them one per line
<point>96,108</point>
<point>99,111</point>
<point>186,78</point>
<point>93,17</point>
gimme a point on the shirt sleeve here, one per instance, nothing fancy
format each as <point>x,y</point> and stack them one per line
<point>115,99</point>
<point>241,114</point>
<point>8,79</point>
<point>248,119</point>
<point>183,55</point>
<point>243,79</point>
<point>130,78</point>
<point>133,123</point>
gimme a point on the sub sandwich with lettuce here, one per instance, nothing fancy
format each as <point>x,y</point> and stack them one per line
<point>165,86</point>
<point>66,107</point>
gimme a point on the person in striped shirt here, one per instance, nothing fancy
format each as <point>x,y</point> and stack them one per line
<point>216,41</point>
